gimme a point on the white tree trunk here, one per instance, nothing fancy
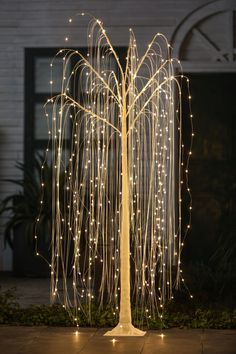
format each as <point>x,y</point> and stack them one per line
<point>125,327</point>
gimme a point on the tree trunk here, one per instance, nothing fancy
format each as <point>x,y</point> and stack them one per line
<point>125,327</point>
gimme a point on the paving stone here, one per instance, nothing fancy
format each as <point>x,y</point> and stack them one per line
<point>59,340</point>
<point>51,340</point>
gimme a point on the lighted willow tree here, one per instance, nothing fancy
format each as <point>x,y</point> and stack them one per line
<point>117,179</point>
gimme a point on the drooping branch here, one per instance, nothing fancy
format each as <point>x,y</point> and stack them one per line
<point>86,110</point>
<point>147,102</point>
<point>143,59</point>
<point>100,78</point>
<point>153,78</point>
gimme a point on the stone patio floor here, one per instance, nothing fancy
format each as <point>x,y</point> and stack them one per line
<point>55,340</point>
<point>45,340</point>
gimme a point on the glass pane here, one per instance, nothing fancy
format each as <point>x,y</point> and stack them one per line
<point>42,122</point>
<point>44,74</point>
<point>83,75</point>
<point>42,154</point>
<point>48,156</point>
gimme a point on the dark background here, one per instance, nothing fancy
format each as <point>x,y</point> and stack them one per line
<point>210,248</point>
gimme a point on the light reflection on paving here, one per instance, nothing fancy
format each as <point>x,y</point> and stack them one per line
<point>50,340</point>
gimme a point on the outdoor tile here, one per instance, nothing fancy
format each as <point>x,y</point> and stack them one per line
<point>105,345</point>
<point>219,351</point>
<point>51,340</point>
<point>221,341</point>
<point>167,346</point>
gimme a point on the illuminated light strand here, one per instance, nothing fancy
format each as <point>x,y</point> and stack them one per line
<point>87,217</point>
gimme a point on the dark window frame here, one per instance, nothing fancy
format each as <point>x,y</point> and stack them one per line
<point>31,98</point>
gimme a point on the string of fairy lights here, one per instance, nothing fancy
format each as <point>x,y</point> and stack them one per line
<point>87,174</point>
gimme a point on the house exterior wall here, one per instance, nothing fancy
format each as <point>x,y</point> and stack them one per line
<point>44,23</point>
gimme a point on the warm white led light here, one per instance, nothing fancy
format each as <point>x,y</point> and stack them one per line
<point>121,172</point>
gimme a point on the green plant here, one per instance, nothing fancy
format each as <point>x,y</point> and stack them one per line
<point>8,298</point>
<point>23,207</point>
<point>189,315</point>
<point>8,304</point>
<point>56,315</point>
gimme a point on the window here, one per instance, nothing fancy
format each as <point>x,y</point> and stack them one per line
<point>37,91</point>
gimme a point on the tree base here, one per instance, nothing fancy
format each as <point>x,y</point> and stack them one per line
<point>125,329</point>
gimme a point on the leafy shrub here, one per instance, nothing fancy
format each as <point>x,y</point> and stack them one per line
<point>188,315</point>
